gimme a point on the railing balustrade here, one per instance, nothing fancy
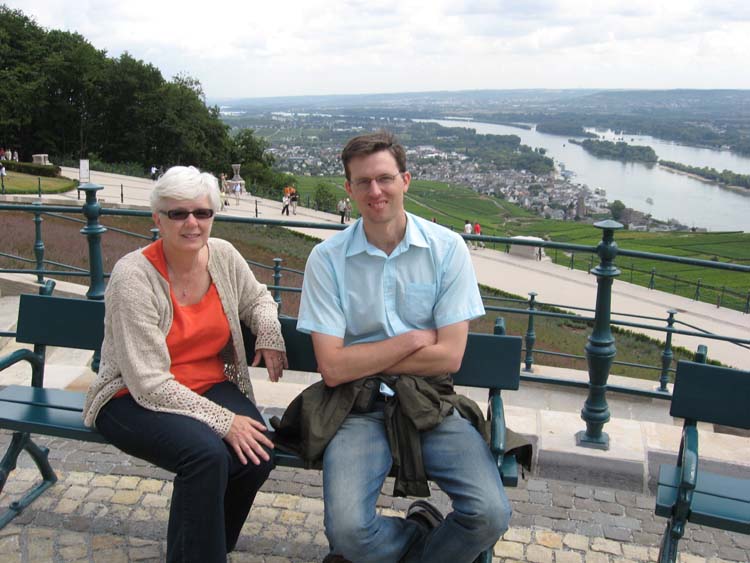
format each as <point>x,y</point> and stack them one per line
<point>600,349</point>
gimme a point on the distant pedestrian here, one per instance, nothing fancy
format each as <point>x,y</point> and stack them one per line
<point>237,193</point>
<point>468,230</point>
<point>15,156</point>
<point>341,208</point>
<point>294,198</point>
<point>285,201</point>
<point>478,231</point>
<point>348,211</point>
<point>154,171</point>
<point>224,191</point>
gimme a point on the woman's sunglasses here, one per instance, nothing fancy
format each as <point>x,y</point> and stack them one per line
<point>182,214</point>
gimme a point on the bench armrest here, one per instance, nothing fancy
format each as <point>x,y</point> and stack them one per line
<point>497,426</point>
<point>18,355</point>
<point>689,456</point>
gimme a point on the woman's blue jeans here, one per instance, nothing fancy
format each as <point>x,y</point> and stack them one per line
<point>456,458</point>
<point>213,491</point>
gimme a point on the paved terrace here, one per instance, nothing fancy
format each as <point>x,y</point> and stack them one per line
<point>578,505</point>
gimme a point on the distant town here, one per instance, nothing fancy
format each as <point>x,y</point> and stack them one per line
<point>552,195</point>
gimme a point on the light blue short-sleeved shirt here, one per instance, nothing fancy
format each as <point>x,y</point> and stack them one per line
<point>352,290</point>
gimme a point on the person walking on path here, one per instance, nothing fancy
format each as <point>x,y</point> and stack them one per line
<point>294,198</point>
<point>468,230</point>
<point>285,201</point>
<point>173,387</point>
<point>380,300</point>
<point>341,208</point>
<point>478,231</point>
<point>348,211</point>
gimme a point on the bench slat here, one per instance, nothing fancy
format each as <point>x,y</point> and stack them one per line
<point>60,321</point>
<point>709,483</point>
<point>717,512</point>
<point>711,394</point>
<point>53,398</point>
<point>41,420</point>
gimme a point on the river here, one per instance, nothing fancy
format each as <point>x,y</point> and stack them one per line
<point>673,196</point>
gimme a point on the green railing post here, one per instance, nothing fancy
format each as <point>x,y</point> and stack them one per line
<point>674,288</point>
<point>667,355</point>
<point>93,231</point>
<point>747,303</point>
<point>697,296</point>
<point>701,354</point>
<point>572,260</point>
<point>720,301</point>
<point>154,233</point>
<point>256,208</point>
<point>631,273</point>
<point>277,281</point>
<point>38,244</point>
<point>39,186</point>
<point>530,338</point>
<point>600,348</point>
<point>2,183</point>
<point>122,194</point>
<point>651,281</point>
<point>499,326</point>
<point>591,263</point>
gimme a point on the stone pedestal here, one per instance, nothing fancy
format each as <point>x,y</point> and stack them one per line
<point>41,159</point>
<point>236,179</point>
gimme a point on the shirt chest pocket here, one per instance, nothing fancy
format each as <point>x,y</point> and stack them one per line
<point>418,301</point>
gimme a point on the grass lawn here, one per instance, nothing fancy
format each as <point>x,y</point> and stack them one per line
<point>17,183</point>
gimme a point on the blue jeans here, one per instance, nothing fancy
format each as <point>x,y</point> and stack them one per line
<point>456,458</point>
<point>213,491</point>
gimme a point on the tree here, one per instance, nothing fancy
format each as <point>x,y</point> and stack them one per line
<point>324,198</point>
<point>617,208</point>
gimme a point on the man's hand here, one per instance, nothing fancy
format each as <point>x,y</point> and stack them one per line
<point>247,438</point>
<point>274,361</point>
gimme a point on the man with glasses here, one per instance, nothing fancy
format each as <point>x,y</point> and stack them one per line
<point>388,303</point>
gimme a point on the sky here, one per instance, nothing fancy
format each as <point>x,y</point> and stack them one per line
<point>262,48</point>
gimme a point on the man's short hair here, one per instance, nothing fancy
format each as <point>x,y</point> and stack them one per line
<point>365,145</point>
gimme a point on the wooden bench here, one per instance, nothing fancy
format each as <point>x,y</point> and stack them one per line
<point>491,362</point>
<point>685,492</point>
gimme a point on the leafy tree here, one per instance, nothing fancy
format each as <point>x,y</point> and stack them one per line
<point>323,197</point>
<point>617,208</point>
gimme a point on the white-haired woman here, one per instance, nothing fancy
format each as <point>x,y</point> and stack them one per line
<point>173,386</point>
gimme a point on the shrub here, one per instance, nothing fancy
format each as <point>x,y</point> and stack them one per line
<point>46,170</point>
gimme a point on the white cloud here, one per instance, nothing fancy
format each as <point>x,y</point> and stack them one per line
<point>297,47</point>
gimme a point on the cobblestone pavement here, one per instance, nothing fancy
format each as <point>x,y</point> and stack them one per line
<point>110,507</point>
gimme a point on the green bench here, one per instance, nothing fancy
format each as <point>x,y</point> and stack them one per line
<point>685,492</point>
<point>491,362</point>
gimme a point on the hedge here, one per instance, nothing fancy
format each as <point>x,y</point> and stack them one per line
<point>47,170</point>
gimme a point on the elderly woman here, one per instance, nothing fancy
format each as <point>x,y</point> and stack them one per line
<point>173,386</point>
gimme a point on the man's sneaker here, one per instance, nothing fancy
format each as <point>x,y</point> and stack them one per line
<point>424,514</point>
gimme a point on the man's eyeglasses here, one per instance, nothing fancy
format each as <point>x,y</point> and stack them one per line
<point>384,181</point>
<point>182,214</point>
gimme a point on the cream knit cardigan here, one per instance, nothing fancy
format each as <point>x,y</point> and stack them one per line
<point>138,316</point>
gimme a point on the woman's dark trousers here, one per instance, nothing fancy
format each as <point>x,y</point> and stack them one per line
<point>213,491</point>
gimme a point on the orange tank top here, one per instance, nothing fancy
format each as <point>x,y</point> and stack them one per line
<point>198,334</point>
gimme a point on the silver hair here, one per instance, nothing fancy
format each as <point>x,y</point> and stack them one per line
<point>184,183</point>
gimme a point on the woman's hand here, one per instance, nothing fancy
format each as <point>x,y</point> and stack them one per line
<point>274,360</point>
<point>247,438</point>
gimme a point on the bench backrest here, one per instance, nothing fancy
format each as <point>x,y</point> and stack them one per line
<point>490,361</point>
<point>713,394</point>
<point>60,321</point>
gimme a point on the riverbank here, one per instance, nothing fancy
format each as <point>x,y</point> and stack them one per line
<point>736,189</point>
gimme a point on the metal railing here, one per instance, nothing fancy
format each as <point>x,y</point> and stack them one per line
<point>599,350</point>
